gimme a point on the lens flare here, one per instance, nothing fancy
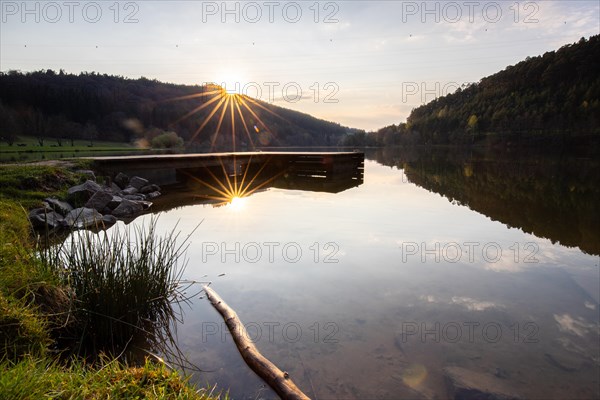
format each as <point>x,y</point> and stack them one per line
<point>228,107</point>
<point>226,110</point>
<point>232,188</point>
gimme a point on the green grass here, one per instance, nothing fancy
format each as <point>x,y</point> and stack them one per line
<point>22,275</point>
<point>31,144</point>
<point>29,184</point>
<point>22,329</point>
<point>41,379</point>
<point>28,149</point>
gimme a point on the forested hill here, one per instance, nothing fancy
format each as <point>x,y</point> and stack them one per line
<point>52,105</point>
<point>551,98</point>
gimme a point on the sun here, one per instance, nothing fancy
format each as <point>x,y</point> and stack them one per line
<point>237,203</point>
<point>231,81</point>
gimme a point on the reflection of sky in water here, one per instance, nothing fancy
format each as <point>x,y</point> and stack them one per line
<point>368,274</point>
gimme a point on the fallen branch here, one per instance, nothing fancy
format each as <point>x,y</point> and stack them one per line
<point>279,381</point>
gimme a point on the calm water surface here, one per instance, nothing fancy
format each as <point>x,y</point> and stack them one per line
<point>434,261</point>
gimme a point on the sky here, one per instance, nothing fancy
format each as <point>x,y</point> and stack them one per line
<point>363,64</point>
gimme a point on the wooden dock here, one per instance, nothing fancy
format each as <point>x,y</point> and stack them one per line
<point>331,169</point>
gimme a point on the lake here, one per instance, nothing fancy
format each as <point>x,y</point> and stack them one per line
<point>436,259</point>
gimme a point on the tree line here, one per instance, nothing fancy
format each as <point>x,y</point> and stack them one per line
<point>60,107</point>
<point>552,98</point>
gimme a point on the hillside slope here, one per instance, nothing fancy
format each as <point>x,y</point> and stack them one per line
<point>553,98</point>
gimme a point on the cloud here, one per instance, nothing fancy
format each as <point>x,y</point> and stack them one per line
<point>576,326</point>
<point>474,305</point>
<point>466,302</point>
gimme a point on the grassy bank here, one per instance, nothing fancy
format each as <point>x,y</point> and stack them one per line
<point>39,378</point>
<point>35,304</point>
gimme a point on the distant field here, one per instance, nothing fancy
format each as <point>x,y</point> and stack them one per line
<point>30,144</point>
<point>28,149</point>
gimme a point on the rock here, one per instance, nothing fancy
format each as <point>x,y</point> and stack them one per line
<point>114,203</point>
<point>149,189</point>
<point>80,194</point>
<point>88,173</point>
<point>115,188</point>
<point>82,218</point>
<point>145,204</point>
<point>153,195</point>
<point>42,217</point>
<point>135,197</point>
<point>41,210</point>
<point>129,191</point>
<point>121,180</point>
<point>127,209</point>
<point>61,207</point>
<point>470,385</point>
<point>138,182</point>
<point>501,373</point>
<point>109,220</point>
<point>400,340</point>
<point>567,362</point>
<point>99,200</point>
<point>97,205</point>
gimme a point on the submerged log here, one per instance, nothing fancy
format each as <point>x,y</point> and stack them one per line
<point>279,381</point>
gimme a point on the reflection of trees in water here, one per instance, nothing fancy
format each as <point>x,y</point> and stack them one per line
<point>554,197</point>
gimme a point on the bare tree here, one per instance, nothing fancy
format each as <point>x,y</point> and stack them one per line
<point>90,132</point>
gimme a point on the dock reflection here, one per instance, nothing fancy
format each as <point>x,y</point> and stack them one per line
<point>237,178</point>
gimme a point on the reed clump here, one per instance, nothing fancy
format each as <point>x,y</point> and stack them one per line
<point>126,286</point>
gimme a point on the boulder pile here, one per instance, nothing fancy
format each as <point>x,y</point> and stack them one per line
<point>91,204</point>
